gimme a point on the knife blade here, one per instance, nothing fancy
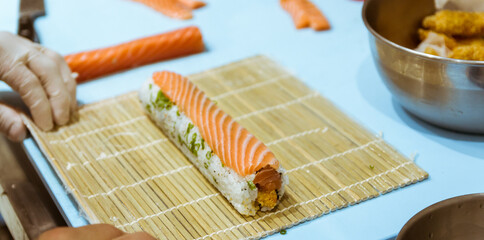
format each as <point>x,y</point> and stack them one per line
<point>29,11</point>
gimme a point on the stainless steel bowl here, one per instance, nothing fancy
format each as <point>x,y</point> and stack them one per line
<point>446,92</point>
<point>460,217</point>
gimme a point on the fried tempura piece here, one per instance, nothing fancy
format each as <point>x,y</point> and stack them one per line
<point>456,23</point>
<point>450,42</point>
<point>469,49</point>
<point>468,52</point>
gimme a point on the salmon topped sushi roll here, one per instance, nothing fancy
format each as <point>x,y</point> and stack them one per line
<point>240,166</point>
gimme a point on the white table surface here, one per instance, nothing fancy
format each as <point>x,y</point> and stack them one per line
<point>337,63</point>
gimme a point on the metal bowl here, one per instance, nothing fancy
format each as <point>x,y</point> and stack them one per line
<point>455,218</point>
<point>446,92</point>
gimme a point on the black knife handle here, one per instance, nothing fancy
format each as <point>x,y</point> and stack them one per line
<point>26,28</point>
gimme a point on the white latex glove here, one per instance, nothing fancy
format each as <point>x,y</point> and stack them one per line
<point>43,80</point>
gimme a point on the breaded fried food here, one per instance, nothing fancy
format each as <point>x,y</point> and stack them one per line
<point>468,52</point>
<point>456,23</point>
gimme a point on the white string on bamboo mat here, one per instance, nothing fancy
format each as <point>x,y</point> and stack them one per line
<point>250,87</point>
<point>297,135</point>
<point>96,130</point>
<point>279,106</point>
<point>103,156</point>
<point>336,155</point>
<point>139,182</point>
<point>167,210</point>
<point>91,107</point>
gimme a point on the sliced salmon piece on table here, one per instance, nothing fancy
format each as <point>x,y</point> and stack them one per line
<point>305,14</point>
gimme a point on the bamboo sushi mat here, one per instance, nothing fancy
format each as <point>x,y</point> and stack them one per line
<point>122,170</point>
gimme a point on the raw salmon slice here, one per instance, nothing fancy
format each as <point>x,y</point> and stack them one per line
<point>236,147</point>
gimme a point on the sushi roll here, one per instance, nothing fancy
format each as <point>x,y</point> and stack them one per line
<point>240,166</point>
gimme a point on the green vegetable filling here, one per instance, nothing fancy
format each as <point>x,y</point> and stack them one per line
<point>251,185</point>
<point>148,108</point>
<point>283,232</point>
<point>209,155</point>
<point>162,102</point>
<point>189,128</point>
<point>173,130</point>
<point>194,146</point>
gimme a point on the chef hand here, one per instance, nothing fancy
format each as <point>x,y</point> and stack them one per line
<point>92,232</point>
<point>43,80</point>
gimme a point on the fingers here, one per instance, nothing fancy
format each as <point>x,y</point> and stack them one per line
<point>11,124</point>
<point>49,74</point>
<point>136,236</point>
<point>22,80</point>
<point>94,232</point>
<point>41,77</point>
<point>65,71</point>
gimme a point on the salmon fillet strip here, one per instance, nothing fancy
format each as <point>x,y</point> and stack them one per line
<point>235,146</point>
<point>305,14</point>
<point>96,63</point>
<point>193,4</point>
<point>170,8</point>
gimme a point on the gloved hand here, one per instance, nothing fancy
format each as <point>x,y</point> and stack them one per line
<point>43,80</point>
<point>93,232</point>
